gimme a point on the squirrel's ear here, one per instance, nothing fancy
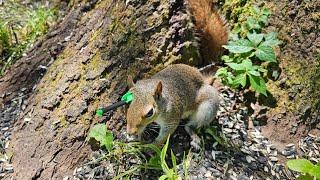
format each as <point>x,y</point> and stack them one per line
<point>158,90</point>
<point>130,82</point>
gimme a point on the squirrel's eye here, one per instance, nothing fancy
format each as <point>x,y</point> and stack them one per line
<point>150,113</point>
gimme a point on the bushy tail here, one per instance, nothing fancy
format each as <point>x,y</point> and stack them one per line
<point>212,27</point>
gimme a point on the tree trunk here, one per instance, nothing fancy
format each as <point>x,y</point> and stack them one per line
<point>89,55</point>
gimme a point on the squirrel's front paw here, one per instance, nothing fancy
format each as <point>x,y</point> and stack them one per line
<point>196,143</point>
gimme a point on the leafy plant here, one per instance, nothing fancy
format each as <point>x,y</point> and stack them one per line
<point>250,52</point>
<point>100,133</point>
<point>218,136</point>
<point>117,149</point>
<point>305,167</point>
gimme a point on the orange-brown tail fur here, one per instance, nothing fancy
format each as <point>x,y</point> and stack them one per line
<point>212,27</point>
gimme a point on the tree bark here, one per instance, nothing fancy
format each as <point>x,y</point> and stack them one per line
<point>89,55</point>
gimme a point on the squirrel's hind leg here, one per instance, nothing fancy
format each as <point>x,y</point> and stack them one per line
<point>208,100</point>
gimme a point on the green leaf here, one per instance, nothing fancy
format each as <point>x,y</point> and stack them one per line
<point>257,83</point>
<point>315,171</point>
<point>300,165</point>
<point>261,69</point>
<point>241,46</point>
<point>305,177</point>
<point>252,23</point>
<point>163,177</point>
<point>213,132</point>
<point>229,79</point>
<point>100,133</point>
<point>221,72</point>
<point>271,43</point>
<point>256,10</point>
<point>227,59</point>
<point>235,66</point>
<point>266,53</point>
<point>247,64</point>
<point>271,36</point>
<point>255,38</point>
<point>235,36</point>
<point>253,72</point>
<point>174,161</point>
<point>164,165</point>
<point>241,79</point>
<point>266,11</point>
<point>154,161</point>
<point>264,19</point>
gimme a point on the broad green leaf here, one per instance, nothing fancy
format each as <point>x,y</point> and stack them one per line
<point>266,53</point>
<point>227,59</point>
<point>257,83</point>
<point>240,46</point>
<point>241,79</point>
<point>300,165</point>
<point>266,11</point>
<point>305,177</point>
<point>247,64</point>
<point>264,19</point>
<point>261,69</point>
<point>235,66</point>
<point>255,38</point>
<point>253,72</point>
<point>271,36</point>
<point>252,23</point>
<point>256,10</point>
<point>236,30</point>
<point>271,43</point>
<point>221,72</point>
<point>234,36</point>
<point>102,135</point>
<point>229,80</point>
<point>315,171</point>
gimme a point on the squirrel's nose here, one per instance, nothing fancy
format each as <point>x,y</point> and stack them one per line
<point>132,131</point>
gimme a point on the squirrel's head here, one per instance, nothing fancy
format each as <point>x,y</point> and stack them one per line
<point>143,110</point>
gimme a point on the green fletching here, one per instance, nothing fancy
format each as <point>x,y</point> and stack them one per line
<point>99,112</point>
<point>128,97</point>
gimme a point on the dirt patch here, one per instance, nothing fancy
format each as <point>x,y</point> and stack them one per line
<point>297,108</point>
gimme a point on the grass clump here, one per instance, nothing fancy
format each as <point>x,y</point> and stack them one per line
<point>250,52</point>
<point>117,150</point>
<point>20,25</point>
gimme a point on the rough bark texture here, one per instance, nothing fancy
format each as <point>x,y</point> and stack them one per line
<point>89,56</point>
<point>296,104</point>
<point>99,43</point>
